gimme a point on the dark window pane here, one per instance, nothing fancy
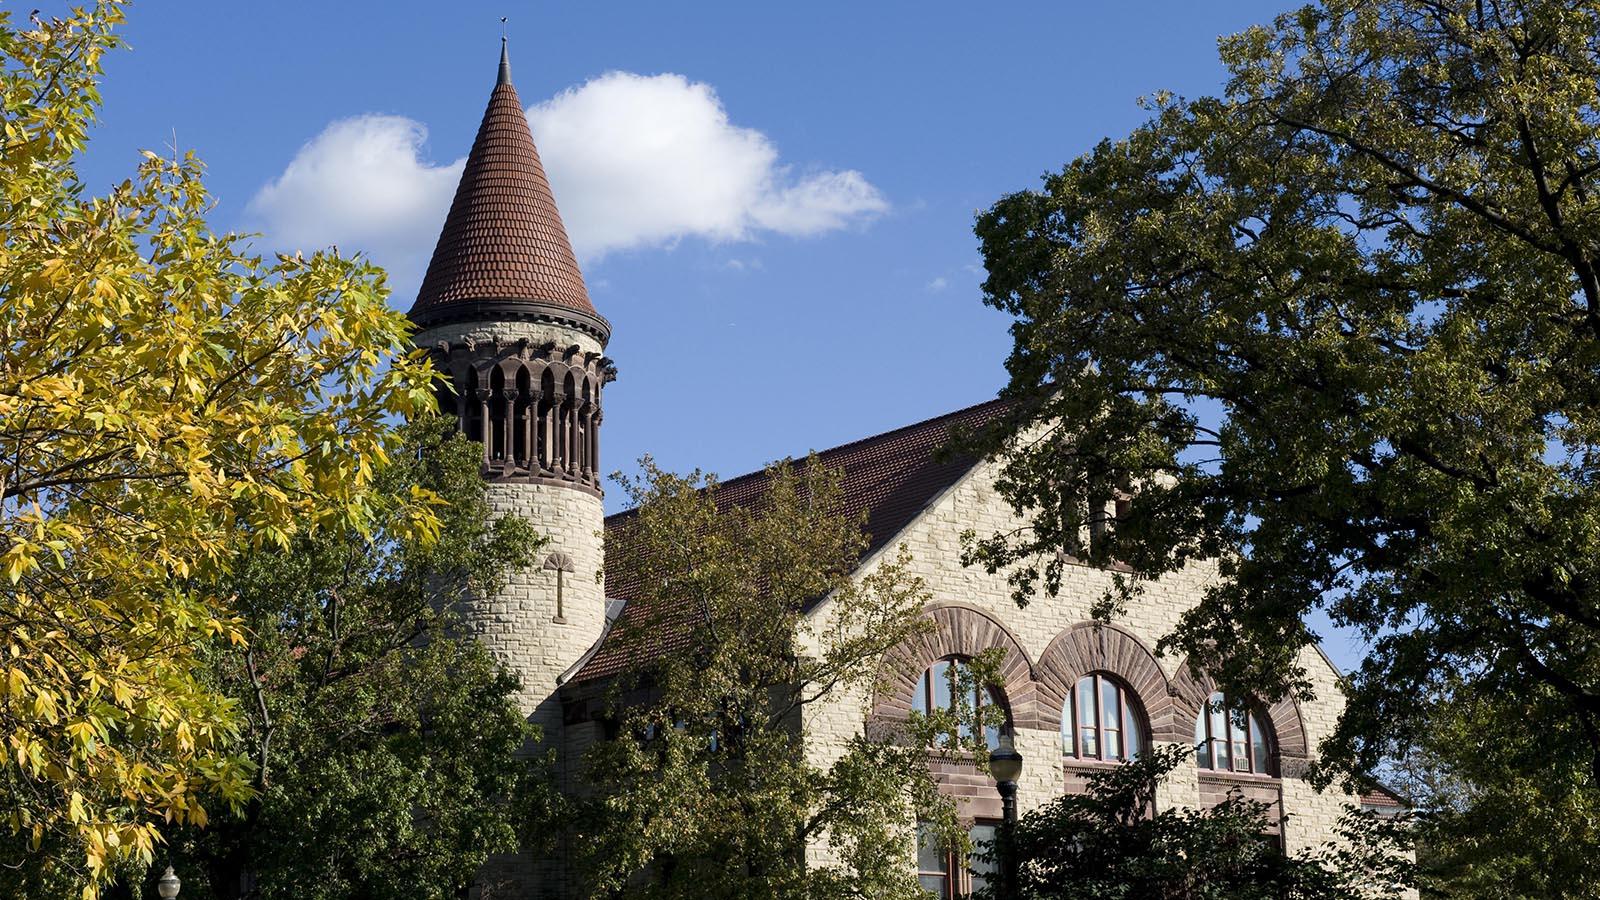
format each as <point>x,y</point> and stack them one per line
<point>930,856</point>
<point>1085,694</point>
<point>1237,724</point>
<point>1068,747</point>
<point>1258,740</point>
<point>982,840</point>
<point>1219,735</point>
<point>940,676</point>
<point>1109,713</point>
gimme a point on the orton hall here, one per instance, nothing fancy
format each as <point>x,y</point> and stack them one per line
<point>505,314</point>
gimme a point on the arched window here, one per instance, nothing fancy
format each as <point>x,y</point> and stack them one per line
<point>937,690</point>
<point>477,396</point>
<point>495,435</point>
<point>522,421</point>
<point>1102,719</point>
<point>544,428</point>
<point>1232,737</point>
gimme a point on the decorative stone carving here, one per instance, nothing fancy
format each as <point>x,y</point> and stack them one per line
<point>546,431</point>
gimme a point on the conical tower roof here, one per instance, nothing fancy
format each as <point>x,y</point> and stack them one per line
<point>503,252</point>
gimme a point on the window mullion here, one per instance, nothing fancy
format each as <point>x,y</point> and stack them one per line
<point>1099,723</point>
<point>1072,713</point>
<point>1249,750</point>
<point>1122,738</point>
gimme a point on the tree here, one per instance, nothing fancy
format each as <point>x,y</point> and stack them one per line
<point>1502,814</point>
<point>1337,329</point>
<point>387,746</point>
<point>706,789</point>
<point>1110,843</point>
<point>166,398</point>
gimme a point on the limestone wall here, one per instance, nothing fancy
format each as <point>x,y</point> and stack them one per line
<point>1056,644</point>
<point>522,624</point>
<point>521,627</point>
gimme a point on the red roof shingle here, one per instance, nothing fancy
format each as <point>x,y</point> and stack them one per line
<point>503,241</point>
<point>890,477</point>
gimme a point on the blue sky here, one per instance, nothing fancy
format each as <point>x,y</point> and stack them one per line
<point>831,293</point>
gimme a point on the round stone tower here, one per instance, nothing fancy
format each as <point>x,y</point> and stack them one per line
<point>504,312</point>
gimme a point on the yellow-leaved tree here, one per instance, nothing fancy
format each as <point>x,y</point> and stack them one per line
<point>166,398</point>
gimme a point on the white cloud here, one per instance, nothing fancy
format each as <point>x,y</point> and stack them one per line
<point>938,284</point>
<point>364,185</point>
<point>636,161</point>
<point>640,160</point>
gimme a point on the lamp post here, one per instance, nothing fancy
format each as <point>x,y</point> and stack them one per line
<point>169,884</point>
<point>1006,765</point>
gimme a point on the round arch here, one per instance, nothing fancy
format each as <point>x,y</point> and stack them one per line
<point>964,631</point>
<point>1192,689</point>
<point>1102,647</point>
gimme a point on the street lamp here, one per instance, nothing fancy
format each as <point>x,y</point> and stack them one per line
<point>168,886</point>
<point>1005,763</point>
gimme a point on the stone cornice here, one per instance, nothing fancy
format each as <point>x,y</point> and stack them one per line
<point>512,310</point>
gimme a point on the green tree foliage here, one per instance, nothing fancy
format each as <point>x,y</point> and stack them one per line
<point>166,400</point>
<point>1503,815</point>
<point>387,749</point>
<point>1338,329</point>
<point>707,789</point>
<point>1106,843</point>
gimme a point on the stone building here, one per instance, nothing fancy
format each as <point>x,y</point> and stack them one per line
<point>504,310</point>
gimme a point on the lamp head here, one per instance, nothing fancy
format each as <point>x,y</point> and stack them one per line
<point>1005,763</point>
<point>169,884</point>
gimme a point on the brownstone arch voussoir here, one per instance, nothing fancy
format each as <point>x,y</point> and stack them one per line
<point>1288,728</point>
<point>1102,647</point>
<point>961,630</point>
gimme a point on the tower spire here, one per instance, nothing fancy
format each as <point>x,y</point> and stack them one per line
<point>503,252</point>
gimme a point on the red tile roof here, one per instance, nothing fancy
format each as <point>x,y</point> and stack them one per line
<point>1383,797</point>
<point>891,477</point>
<point>503,242</point>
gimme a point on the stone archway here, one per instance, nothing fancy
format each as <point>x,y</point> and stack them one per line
<point>962,630</point>
<point>1102,647</point>
<point>1288,727</point>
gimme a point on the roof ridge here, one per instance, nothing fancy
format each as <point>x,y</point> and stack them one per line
<point>882,435</point>
<point>890,481</point>
<point>914,425</point>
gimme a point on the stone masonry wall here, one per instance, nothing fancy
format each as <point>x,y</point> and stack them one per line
<point>520,625</point>
<point>974,596</point>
